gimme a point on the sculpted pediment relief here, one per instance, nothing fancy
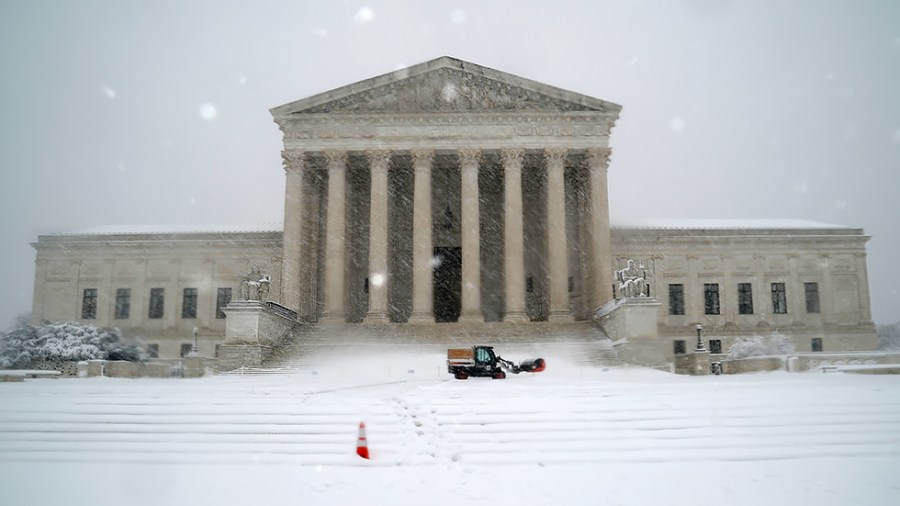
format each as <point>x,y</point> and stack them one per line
<point>445,85</point>
<point>447,90</point>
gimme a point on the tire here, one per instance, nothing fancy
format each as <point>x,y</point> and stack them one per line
<point>461,375</point>
<point>499,375</point>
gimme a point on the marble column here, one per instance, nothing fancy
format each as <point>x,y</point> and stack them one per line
<point>293,230</point>
<point>598,232</point>
<point>378,237</point>
<point>556,236</point>
<point>513,237</point>
<point>471,237</point>
<point>423,294</point>
<point>336,227</point>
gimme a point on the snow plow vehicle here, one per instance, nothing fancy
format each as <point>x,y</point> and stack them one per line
<point>482,361</point>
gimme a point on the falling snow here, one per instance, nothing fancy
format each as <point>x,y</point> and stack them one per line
<point>208,112</point>
<point>677,124</point>
<point>364,15</point>
<point>109,92</point>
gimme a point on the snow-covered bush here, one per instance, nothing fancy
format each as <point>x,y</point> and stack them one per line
<point>759,346</point>
<point>62,341</point>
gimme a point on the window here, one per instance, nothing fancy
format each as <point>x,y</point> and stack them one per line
<point>123,303</point>
<point>186,349</point>
<point>812,297</point>
<point>529,284</point>
<point>153,350</point>
<point>715,346</point>
<point>745,298</point>
<point>157,300</point>
<point>571,284</point>
<point>89,304</point>
<point>189,304</point>
<point>680,347</point>
<point>676,299</point>
<point>816,344</point>
<point>779,299</point>
<point>711,298</point>
<point>366,286</point>
<point>223,297</point>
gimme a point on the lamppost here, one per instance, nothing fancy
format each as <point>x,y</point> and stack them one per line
<point>700,346</point>
<point>194,351</point>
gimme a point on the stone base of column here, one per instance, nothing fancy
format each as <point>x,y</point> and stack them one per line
<point>376,319</point>
<point>560,317</point>
<point>472,317</point>
<point>332,319</point>
<point>516,317</point>
<point>421,318</point>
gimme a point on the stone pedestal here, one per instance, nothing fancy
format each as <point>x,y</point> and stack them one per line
<point>695,363</point>
<point>251,332</point>
<point>632,322</point>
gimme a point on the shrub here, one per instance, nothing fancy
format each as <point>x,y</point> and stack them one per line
<point>62,341</point>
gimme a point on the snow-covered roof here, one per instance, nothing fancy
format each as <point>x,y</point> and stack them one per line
<point>175,229</point>
<point>723,224</point>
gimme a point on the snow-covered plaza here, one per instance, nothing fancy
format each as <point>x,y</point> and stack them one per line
<point>571,435</point>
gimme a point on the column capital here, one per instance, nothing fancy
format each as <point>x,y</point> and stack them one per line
<point>556,155</point>
<point>293,160</point>
<point>598,158</point>
<point>469,156</point>
<point>380,157</point>
<point>336,158</point>
<point>513,156</point>
<point>422,158</point>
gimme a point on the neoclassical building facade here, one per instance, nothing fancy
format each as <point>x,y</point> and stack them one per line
<point>449,193</point>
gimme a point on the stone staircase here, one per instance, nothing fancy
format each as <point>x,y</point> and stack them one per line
<point>581,343</point>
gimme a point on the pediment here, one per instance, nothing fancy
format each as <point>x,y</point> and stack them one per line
<point>445,85</point>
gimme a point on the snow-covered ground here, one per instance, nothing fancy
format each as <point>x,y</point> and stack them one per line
<point>570,435</point>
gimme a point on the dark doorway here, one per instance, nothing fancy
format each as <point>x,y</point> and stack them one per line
<point>447,284</point>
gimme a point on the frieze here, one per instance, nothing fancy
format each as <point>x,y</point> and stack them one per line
<point>341,130</point>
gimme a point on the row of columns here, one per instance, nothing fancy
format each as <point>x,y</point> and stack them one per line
<point>598,276</point>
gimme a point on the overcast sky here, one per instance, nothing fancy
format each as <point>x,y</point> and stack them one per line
<point>127,112</point>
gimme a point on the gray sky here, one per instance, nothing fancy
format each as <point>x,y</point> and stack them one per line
<point>118,112</point>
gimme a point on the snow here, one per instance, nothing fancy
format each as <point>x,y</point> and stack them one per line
<point>176,229</point>
<point>720,224</point>
<point>679,224</point>
<point>570,435</point>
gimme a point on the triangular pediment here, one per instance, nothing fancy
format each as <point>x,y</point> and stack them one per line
<point>445,85</point>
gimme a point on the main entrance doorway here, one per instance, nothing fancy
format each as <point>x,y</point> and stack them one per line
<point>447,284</point>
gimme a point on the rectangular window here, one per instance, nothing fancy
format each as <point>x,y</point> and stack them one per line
<point>157,300</point>
<point>529,284</point>
<point>676,299</point>
<point>571,284</point>
<point>189,304</point>
<point>123,303</point>
<point>715,346</point>
<point>153,350</point>
<point>711,298</point>
<point>89,304</point>
<point>779,299</point>
<point>816,344</point>
<point>186,349</point>
<point>223,297</point>
<point>812,297</point>
<point>745,298</point>
<point>680,347</point>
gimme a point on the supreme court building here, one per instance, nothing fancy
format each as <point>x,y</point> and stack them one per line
<point>450,195</point>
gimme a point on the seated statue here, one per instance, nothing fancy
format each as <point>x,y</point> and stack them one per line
<point>631,281</point>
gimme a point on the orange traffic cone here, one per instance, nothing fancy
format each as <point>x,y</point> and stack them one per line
<point>362,447</point>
